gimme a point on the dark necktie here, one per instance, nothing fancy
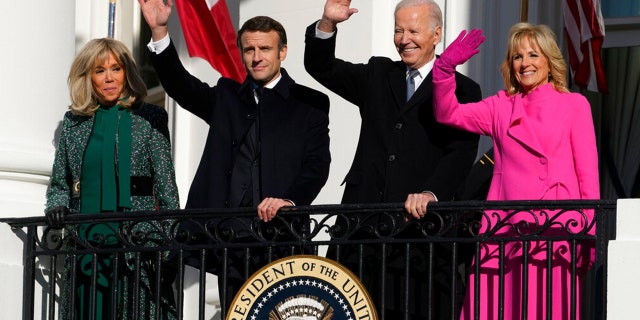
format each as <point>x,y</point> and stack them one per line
<point>411,83</point>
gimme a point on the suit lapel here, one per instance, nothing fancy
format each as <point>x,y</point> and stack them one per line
<point>422,93</point>
<point>397,80</point>
<point>246,111</point>
<point>79,140</point>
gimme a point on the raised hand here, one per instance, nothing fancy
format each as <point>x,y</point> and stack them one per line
<point>335,11</point>
<point>156,13</point>
<point>457,53</point>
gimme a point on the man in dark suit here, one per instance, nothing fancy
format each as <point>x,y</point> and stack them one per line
<point>403,154</point>
<point>268,141</point>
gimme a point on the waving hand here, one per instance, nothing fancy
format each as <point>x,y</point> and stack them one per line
<point>156,13</point>
<point>457,53</point>
<point>335,11</point>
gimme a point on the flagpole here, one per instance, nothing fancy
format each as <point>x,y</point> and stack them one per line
<point>524,10</point>
<point>112,17</point>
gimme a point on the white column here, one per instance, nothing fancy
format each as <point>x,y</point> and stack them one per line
<point>624,258</point>
<point>38,45</point>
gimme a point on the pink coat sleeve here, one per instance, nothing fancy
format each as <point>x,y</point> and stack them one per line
<point>475,117</point>
<point>585,153</point>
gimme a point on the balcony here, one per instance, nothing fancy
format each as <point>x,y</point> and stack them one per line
<point>139,241</point>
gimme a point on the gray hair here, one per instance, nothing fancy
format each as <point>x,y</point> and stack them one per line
<point>435,14</point>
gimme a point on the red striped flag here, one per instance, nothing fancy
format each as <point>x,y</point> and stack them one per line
<point>210,35</point>
<point>584,28</point>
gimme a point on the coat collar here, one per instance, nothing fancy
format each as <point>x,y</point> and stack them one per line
<point>521,128</point>
<point>282,87</point>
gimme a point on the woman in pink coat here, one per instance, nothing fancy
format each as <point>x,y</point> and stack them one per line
<point>545,149</point>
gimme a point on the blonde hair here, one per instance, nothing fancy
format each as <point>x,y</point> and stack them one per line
<point>84,100</point>
<point>542,37</point>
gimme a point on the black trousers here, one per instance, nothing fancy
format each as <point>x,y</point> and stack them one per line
<point>423,279</point>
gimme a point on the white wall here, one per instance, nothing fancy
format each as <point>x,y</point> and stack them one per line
<point>624,259</point>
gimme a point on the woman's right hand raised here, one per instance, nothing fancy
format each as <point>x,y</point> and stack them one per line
<point>458,52</point>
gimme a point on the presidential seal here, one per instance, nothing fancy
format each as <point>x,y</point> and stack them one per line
<point>302,287</point>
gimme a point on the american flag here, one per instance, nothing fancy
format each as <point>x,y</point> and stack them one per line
<point>584,28</point>
<point>210,35</point>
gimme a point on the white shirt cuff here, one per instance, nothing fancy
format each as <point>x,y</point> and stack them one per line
<point>160,45</point>
<point>321,34</point>
<point>431,193</point>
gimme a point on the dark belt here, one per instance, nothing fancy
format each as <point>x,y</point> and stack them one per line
<point>140,186</point>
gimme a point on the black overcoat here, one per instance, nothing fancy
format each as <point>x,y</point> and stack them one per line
<point>401,149</point>
<point>294,121</point>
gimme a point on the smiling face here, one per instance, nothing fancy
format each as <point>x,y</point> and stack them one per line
<point>530,66</point>
<point>413,36</point>
<point>262,56</point>
<point>108,79</point>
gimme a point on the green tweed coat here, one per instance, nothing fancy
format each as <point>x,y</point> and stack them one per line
<point>150,157</point>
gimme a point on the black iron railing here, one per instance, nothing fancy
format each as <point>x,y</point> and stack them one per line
<point>151,249</point>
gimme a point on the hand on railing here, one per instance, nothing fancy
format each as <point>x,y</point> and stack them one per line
<point>55,216</point>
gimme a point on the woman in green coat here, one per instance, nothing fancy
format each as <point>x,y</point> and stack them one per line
<point>114,155</point>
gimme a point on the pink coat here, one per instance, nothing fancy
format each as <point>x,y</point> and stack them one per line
<point>544,143</point>
<point>544,149</point>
